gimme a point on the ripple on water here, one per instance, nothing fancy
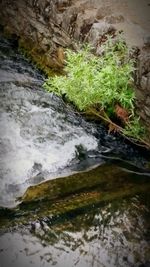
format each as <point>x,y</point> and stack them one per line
<point>112,235</point>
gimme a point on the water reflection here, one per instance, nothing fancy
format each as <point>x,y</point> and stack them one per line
<point>114,234</point>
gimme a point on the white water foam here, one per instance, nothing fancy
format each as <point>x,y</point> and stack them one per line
<point>36,137</point>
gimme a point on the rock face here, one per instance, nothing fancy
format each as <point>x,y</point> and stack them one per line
<point>37,24</point>
<point>44,27</point>
<point>143,86</point>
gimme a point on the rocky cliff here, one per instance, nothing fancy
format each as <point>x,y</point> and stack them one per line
<point>45,27</point>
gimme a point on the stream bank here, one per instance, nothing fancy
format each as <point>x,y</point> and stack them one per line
<point>96,213</point>
<point>41,137</point>
<point>52,26</point>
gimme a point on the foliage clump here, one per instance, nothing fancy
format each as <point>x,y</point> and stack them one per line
<point>100,84</point>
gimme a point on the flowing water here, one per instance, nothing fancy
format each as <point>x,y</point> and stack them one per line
<point>93,218</point>
<point>39,135</point>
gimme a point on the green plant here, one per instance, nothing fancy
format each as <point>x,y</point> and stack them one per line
<point>103,82</point>
<point>94,80</point>
<point>134,129</point>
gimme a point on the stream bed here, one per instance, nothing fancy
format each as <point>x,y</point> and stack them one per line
<point>70,193</point>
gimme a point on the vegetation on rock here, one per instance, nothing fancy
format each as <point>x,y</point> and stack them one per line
<point>102,85</point>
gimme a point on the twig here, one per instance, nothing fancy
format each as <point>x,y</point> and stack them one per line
<point>134,141</point>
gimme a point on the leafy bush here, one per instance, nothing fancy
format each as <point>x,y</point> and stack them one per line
<point>103,81</point>
<point>92,80</point>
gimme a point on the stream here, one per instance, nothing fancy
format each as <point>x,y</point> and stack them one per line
<point>70,193</point>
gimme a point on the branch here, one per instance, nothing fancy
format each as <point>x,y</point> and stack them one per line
<point>108,120</point>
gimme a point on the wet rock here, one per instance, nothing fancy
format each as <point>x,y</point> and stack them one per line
<point>147,41</point>
<point>114,19</point>
<point>144,61</point>
<point>98,31</point>
<point>148,82</point>
<point>103,11</point>
<point>148,101</point>
<point>147,111</point>
<point>39,32</point>
<point>140,95</point>
<point>69,20</point>
<point>84,22</point>
<point>143,83</point>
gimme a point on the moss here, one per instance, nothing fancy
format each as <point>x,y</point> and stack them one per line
<point>72,204</point>
<point>33,52</point>
<point>74,193</point>
<point>43,61</point>
<point>75,183</point>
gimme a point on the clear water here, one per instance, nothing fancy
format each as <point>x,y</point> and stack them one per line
<point>113,234</point>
